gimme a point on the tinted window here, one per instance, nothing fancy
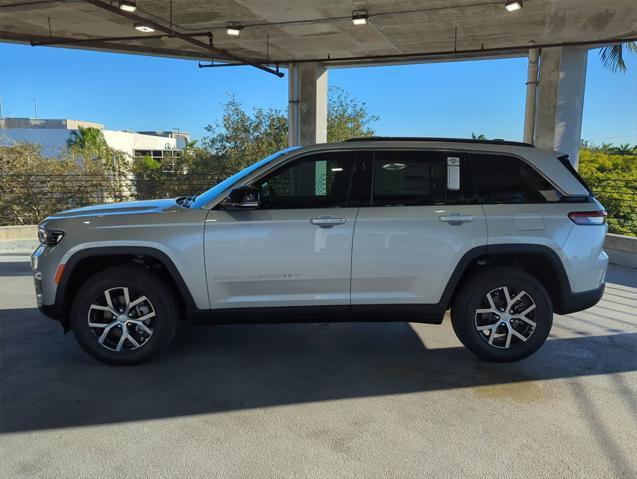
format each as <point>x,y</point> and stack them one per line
<point>465,192</point>
<point>421,178</point>
<point>213,192</point>
<point>505,179</point>
<point>318,181</point>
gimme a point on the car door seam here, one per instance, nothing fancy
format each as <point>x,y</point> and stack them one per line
<point>351,259</point>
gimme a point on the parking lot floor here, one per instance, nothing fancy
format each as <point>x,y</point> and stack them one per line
<point>352,400</point>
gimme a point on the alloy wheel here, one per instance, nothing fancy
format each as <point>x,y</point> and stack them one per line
<point>122,320</point>
<point>506,317</point>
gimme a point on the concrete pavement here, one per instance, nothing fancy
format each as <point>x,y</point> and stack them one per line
<point>321,400</point>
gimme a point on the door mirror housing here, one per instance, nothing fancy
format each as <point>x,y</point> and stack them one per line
<point>242,198</point>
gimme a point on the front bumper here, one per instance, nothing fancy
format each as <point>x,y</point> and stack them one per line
<point>43,273</point>
<point>52,311</point>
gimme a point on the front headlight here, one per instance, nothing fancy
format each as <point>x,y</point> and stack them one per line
<point>49,237</point>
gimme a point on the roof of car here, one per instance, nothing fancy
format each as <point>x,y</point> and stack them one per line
<point>437,139</point>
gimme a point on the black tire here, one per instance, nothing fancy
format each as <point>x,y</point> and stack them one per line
<point>140,283</point>
<point>472,296</point>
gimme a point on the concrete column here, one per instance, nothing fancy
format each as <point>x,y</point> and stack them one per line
<point>294,105</point>
<point>531,95</point>
<point>307,113</point>
<point>560,102</point>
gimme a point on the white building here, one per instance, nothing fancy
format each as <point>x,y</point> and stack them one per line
<point>52,136</point>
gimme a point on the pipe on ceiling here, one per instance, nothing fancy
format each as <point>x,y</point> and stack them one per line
<point>182,36</point>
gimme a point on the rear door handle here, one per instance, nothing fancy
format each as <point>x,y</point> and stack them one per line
<point>327,221</point>
<point>456,219</point>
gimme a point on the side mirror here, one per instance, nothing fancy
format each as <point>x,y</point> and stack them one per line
<point>242,198</point>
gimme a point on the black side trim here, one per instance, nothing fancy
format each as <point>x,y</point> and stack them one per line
<point>468,258</point>
<point>573,302</point>
<point>564,287</point>
<point>564,302</point>
<point>53,311</point>
<point>416,313</point>
<point>59,310</point>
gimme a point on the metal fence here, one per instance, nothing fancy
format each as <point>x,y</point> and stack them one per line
<point>27,199</point>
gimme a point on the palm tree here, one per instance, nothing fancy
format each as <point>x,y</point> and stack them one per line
<point>612,56</point>
<point>89,143</point>
<point>623,149</point>
<point>475,136</point>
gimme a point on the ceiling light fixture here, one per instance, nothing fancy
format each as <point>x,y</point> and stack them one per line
<point>234,29</point>
<point>144,28</point>
<point>128,5</point>
<point>359,17</point>
<point>513,5</point>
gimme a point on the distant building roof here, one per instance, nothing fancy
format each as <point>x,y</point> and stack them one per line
<point>48,124</point>
<point>167,134</point>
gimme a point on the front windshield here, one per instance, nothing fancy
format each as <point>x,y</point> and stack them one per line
<point>206,197</point>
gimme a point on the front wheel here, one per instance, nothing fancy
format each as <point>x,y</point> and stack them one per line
<point>124,315</point>
<point>502,314</point>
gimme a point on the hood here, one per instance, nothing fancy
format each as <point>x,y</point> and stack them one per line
<point>127,208</point>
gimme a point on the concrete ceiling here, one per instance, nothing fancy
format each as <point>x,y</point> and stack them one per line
<point>280,32</point>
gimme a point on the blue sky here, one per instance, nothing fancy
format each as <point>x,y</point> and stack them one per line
<point>131,92</point>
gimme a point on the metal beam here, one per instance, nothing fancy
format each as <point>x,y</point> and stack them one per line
<point>182,36</point>
<point>76,41</point>
<point>365,60</point>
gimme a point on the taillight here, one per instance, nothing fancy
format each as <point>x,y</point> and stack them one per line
<point>588,217</point>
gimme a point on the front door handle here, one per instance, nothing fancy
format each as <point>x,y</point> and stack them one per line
<point>457,219</point>
<point>327,221</point>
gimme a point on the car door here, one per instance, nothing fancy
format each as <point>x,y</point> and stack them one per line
<point>422,219</point>
<point>295,249</point>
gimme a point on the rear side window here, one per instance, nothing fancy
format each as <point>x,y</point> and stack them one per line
<point>404,178</point>
<point>564,159</point>
<point>506,179</point>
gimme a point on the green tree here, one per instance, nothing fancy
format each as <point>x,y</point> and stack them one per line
<point>475,136</point>
<point>612,56</point>
<point>347,117</point>
<point>190,172</point>
<point>241,138</point>
<point>33,186</point>
<point>612,176</point>
<point>88,143</point>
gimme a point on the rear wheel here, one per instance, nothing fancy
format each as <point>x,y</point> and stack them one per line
<point>124,315</point>
<point>502,314</point>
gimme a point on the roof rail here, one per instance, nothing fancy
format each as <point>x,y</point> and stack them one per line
<point>453,140</point>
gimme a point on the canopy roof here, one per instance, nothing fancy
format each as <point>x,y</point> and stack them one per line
<point>278,32</point>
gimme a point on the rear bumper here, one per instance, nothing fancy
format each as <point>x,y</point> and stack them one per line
<point>573,302</point>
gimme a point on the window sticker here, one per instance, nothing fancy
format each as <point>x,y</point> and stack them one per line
<point>453,173</point>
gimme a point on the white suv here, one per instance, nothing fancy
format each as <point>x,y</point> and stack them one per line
<point>376,229</point>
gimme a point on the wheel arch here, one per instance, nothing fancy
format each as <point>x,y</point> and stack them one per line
<point>86,262</point>
<point>538,260</point>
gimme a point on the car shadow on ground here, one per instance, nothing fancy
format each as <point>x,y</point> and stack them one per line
<point>48,382</point>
